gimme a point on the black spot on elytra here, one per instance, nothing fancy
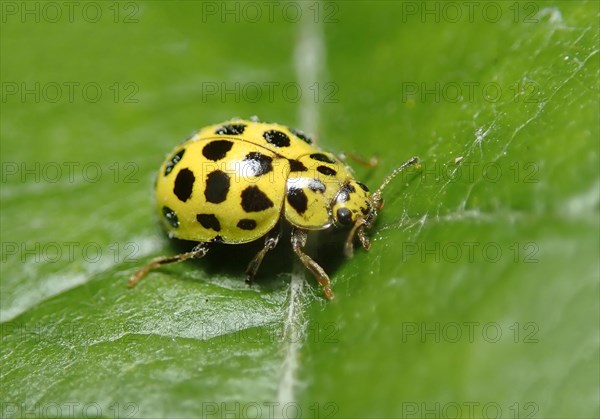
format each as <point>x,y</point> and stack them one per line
<point>231,129</point>
<point>217,187</point>
<point>184,184</point>
<point>328,171</point>
<point>297,166</point>
<point>276,138</point>
<point>218,239</point>
<point>216,150</point>
<point>255,200</point>
<point>171,217</point>
<point>246,224</point>
<point>316,185</point>
<point>259,164</point>
<point>209,221</point>
<point>363,186</point>
<point>173,161</point>
<point>321,157</point>
<point>298,200</point>
<point>301,135</point>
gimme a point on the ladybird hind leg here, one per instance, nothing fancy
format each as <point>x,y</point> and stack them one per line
<point>196,253</point>
<point>271,241</point>
<point>298,242</point>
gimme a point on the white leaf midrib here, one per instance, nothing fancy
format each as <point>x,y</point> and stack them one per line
<point>309,55</point>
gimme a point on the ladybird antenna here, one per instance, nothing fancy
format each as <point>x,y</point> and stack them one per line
<point>413,161</point>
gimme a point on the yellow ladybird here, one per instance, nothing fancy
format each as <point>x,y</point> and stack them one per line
<point>235,182</point>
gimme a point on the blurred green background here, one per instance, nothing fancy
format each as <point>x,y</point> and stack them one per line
<point>479,297</point>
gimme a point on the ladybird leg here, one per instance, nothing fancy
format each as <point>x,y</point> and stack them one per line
<point>270,242</point>
<point>298,242</point>
<point>196,253</point>
<point>358,229</point>
<point>364,239</point>
<point>357,158</point>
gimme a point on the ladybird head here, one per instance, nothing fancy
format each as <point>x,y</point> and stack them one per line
<point>360,210</point>
<point>351,203</point>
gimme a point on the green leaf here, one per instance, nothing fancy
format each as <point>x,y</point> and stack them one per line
<point>478,298</point>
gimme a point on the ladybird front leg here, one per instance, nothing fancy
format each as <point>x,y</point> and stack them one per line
<point>358,229</point>
<point>298,242</point>
<point>196,253</point>
<point>365,241</point>
<point>271,241</point>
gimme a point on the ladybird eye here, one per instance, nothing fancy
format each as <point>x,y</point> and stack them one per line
<point>344,216</point>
